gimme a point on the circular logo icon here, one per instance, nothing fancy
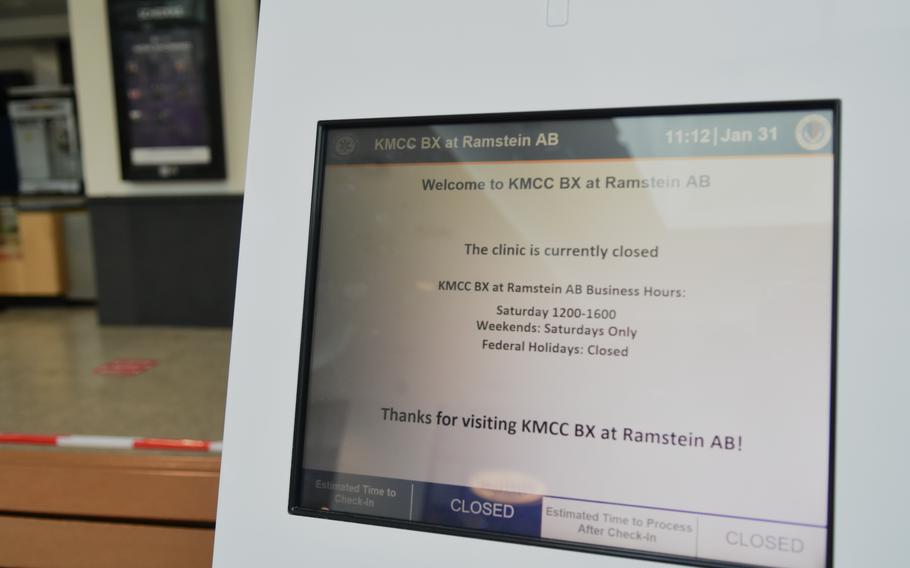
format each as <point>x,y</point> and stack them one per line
<point>345,145</point>
<point>813,132</point>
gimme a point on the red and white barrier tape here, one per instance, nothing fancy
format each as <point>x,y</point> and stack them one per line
<point>111,442</point>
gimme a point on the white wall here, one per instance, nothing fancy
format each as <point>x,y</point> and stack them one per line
<point>34,27</point>
<point>236,23</point>
<point>399,58</point>
<point>39,58</point>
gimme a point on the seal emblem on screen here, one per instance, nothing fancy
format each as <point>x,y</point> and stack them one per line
<point>813,132</point>
<point>345,145</point>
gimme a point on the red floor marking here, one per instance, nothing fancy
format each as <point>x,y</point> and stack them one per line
<point>125,367</point>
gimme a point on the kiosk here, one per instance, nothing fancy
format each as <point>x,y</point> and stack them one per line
<point>550,290</point>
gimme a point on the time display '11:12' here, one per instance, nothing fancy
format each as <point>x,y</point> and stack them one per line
<point>717,136</point>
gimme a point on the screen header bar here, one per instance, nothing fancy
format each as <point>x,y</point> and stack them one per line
<point>683,135</point>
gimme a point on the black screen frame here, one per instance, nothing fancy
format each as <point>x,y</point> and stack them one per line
<point>323,127</point>
<point>215,169</point>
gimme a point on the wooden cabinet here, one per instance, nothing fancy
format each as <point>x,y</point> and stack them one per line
<point>34,264</point>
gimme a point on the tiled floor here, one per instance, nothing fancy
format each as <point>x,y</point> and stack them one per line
<point>48,386</point>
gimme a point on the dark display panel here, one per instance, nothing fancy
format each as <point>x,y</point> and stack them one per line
<point>165,57</point>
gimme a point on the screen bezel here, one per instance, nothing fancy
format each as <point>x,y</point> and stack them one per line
<point>322,129</point>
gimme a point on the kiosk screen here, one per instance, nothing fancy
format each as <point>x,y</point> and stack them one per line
<point>600,330</point>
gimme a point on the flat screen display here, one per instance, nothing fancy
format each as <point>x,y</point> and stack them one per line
<point>609,331</point>
<point>165,87</point>
<point>166,77</point>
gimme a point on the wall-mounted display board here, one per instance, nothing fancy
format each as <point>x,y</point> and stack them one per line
<point>513,323</point>
<point>166,78</point>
